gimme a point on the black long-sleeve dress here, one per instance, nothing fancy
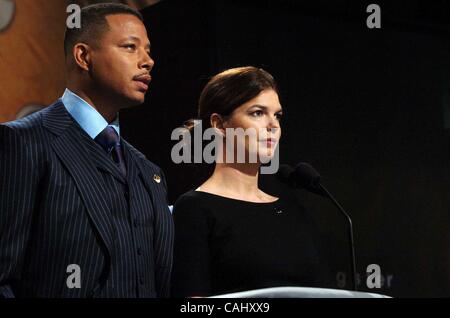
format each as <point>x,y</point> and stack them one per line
<point>228,245</point>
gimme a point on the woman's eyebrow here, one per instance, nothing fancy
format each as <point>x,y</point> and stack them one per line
<point>265,107</point>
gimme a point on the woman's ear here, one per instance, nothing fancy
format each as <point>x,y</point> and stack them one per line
<point>82,56</point>
<point>217,122</point>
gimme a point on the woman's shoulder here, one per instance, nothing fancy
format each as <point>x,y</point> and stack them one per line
<point>192,196</point>
<point>193,202</point>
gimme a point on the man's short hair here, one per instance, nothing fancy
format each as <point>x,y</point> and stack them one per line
<point>94,23</point>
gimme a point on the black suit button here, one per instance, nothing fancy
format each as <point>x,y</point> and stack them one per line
<point>139,251</point>
<point>141,281</point>
<point>135,223</point>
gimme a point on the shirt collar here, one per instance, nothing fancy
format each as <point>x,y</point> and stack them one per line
<point>87,116</point>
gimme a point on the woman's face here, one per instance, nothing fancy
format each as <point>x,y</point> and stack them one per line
<point>260,120</point>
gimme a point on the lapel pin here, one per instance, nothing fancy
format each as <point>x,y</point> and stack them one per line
<point>156,178</point>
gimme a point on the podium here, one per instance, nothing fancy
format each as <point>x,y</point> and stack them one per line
<point>300,292</point>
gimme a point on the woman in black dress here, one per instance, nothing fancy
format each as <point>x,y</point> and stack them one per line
<point>230,235</point>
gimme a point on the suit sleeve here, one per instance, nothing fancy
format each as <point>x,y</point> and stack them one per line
<point>192,258</point>
<point>17,197</point>
<point>163,243</point>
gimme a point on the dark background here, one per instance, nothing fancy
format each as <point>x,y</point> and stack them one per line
<point>368,108</point>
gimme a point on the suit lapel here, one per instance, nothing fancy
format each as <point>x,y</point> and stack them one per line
<point>147,175</point>
<point>71,149</point>
<point>101,159</point>
<point>132,168</point>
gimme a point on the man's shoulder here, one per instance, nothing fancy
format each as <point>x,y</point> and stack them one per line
<point>31,123</point>
<point>28,130</point>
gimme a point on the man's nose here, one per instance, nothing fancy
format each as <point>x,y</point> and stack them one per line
<point>147,62</point>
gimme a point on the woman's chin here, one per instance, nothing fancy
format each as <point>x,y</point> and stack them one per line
<point>265,157</point>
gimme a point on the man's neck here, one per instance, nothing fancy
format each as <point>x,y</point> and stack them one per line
<point>105,109</point>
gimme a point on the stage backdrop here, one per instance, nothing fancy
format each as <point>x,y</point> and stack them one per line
<point>365,107</point>
<point>32,56</point>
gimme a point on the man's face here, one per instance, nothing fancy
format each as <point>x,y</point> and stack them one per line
<point>121,62</point>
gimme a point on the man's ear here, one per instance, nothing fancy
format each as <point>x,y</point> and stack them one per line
<point>82,55</point>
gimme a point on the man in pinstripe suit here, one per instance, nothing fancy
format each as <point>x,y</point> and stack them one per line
<point>82,212</point>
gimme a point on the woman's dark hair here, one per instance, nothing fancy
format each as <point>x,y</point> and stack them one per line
<point>230,89</point>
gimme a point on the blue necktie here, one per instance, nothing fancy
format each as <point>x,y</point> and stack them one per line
<point>110,141</point>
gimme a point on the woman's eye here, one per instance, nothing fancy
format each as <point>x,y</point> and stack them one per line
<point>279,116</point>
<point>257,113</point>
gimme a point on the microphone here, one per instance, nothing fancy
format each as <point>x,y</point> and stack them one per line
<point>304,176</point>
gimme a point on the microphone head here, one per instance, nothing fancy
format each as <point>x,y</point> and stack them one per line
<point>304,176</point>
<point>308,178</point>
<point>285,173</point>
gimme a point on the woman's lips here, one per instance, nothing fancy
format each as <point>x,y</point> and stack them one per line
<point>270,142</point>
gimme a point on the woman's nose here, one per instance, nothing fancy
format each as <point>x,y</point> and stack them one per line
<point>273,123</point>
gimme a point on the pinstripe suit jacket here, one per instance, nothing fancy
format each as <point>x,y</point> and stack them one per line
<point>54,211</point>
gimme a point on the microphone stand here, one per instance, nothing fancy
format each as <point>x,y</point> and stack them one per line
<point>350,232</point>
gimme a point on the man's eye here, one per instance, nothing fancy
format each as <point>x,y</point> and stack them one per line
<point>130,46</point>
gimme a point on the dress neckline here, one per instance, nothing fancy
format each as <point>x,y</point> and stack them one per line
<point>237,200</point>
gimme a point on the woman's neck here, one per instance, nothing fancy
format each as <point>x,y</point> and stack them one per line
<point>238,181</point>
